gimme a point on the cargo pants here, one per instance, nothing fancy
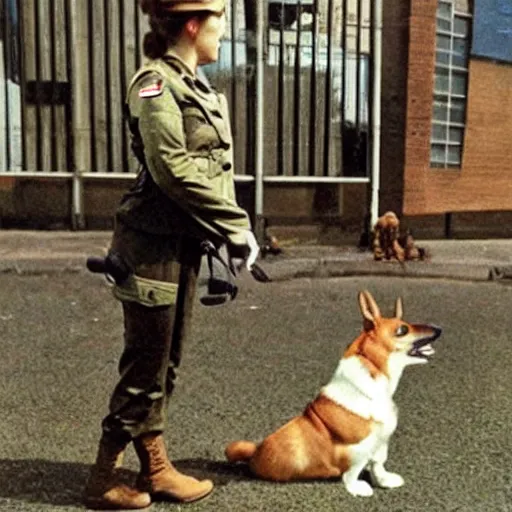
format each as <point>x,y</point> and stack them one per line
<point>157,302</point>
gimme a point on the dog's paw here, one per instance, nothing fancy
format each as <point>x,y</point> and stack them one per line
<point>359,488</point>
<point>388,480</point>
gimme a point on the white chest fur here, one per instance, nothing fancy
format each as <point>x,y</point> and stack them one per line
<point>354,388</point>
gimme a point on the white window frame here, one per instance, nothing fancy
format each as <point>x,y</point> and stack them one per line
<point>447,144</point>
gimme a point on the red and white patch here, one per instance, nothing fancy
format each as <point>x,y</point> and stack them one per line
<point>152,90</point>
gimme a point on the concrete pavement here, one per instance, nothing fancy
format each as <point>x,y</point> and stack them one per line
<point>475,260</point>
<point>247,368</point>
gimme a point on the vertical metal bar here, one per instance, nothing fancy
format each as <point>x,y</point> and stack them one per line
<point>38,62</point>
<point>313,93</point>
<point>92,97</point>
<point>251,26</point>
<point>108,84</point>
<point>376,100</point>
<point>368,220</point>
<point>371,81</point>
<point>358,86</point>
<point>328,89</point>
<point>122,58</point>
<point>234,103</point>
<point>53,74</point>
<point>22,77</point>
<point>260,57</point>
<point>70,139</point>
<point>5,111</point>
<point>296,96</point>
<point>280,97</point>
<point>369,102</point>
<point>78,38</point>
<point>344,45</point>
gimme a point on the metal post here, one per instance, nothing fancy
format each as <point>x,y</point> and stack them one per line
<point>4,119</point>
<point>258,171</point>
<point>79,77</point>
<point>376,110</point>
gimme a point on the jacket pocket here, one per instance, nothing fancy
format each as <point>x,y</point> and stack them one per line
<point>199,133</point>
<point>208,166</point>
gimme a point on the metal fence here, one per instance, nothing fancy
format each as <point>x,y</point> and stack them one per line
<point>317,81</point>
<point>65,66</point>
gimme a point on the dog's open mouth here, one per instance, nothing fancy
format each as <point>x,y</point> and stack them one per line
<point>426,351</point>
<point>423,348</point>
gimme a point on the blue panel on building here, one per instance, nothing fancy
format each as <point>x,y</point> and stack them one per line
<point>492,29</point>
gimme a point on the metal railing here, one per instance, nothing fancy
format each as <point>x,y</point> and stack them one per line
<point>62,90</point>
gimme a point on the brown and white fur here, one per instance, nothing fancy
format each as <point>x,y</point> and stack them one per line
<point>347,427</point>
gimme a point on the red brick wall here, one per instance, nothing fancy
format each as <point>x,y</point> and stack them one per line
<point>484,181</point>
<point>420,86</point>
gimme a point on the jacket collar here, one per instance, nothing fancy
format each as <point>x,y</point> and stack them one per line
<point>186,72</point>
<point>173,58</point>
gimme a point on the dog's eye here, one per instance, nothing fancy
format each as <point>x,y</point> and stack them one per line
<point>402,330</point>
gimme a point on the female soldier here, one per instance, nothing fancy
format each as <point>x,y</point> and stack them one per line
<point>183,195</point>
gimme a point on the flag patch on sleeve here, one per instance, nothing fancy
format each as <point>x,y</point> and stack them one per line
<point>150,91</point>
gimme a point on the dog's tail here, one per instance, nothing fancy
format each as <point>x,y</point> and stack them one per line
<point>240,451</point>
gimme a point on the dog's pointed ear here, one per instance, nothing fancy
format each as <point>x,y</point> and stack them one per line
<point>399,309</point>
<point>369,309</point>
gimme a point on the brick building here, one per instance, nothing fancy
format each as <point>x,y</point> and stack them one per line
<point>447,108</point>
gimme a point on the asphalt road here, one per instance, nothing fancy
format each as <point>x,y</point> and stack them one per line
<point>248,368</point>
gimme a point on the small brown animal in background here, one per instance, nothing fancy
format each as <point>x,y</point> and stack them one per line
<point>411,251</point>
<point>385,238</point>
<point>389,244</point>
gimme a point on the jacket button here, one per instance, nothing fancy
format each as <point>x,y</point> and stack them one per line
<point>226,166</point>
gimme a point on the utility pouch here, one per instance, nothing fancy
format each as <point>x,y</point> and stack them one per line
<point>147,292</point>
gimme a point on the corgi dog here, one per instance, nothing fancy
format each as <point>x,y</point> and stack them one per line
<point>347,427</point>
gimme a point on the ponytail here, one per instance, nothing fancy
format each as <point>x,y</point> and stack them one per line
<point>155,44</point>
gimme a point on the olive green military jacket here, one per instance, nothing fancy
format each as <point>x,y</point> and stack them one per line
<point>181,132</point>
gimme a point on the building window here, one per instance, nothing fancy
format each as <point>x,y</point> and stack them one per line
<point>285,14</point>
<point>450,89</point>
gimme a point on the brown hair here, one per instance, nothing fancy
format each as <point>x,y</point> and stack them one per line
<point>165,27</point>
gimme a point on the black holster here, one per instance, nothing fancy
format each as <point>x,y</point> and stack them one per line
<point>112,265</point>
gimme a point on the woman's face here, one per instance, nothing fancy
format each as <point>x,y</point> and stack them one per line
<point>208,38</point>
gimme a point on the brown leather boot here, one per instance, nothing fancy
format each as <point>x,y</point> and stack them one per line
<point>103,491</point>
<point>160,478</point>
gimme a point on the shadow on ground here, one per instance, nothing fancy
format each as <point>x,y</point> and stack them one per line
<point>61,483</point>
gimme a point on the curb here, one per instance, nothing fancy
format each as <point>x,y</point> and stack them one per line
<point>329,267</point>
<point>296,268</point>
<point>26,266</point>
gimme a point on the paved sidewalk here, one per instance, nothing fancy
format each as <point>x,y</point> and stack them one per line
<point>27,252</point>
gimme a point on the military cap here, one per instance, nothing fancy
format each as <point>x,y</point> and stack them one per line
<point>193,5</point>
<point>152,7</point>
